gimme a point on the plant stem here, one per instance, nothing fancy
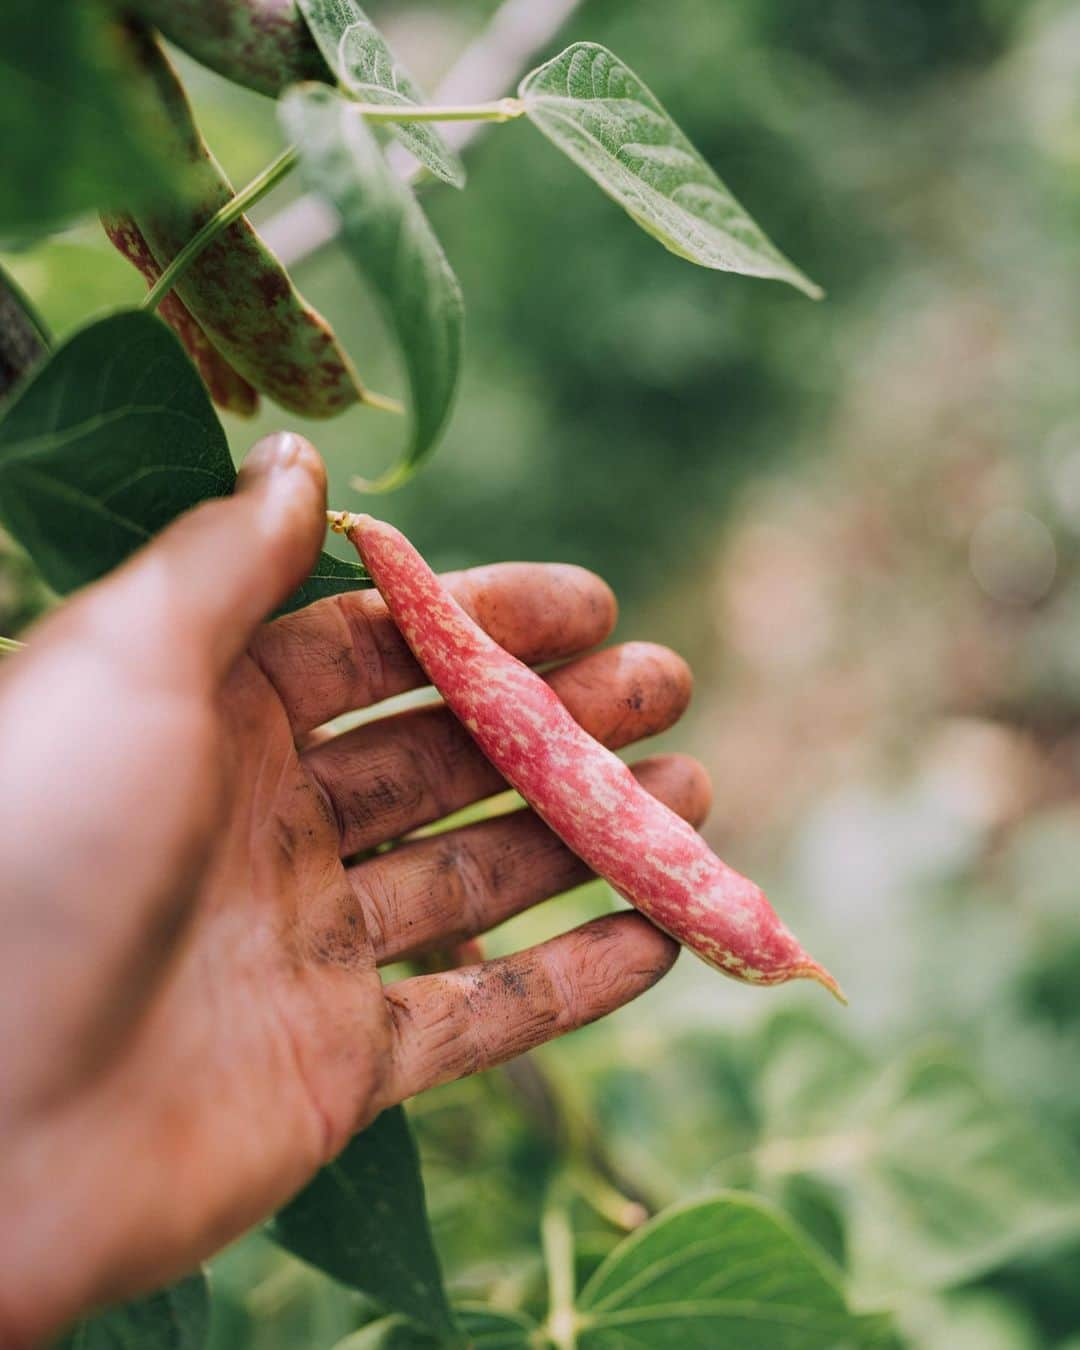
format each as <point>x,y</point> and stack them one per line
<point>10,645</point>
<point>618,1209</point>
<point>221,220</point>
<point>557,1236</point>
<point>502,110</point>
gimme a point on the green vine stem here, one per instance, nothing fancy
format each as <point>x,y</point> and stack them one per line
<point>8,645</point>
<point>221,220</point>
<point>502,110</point>
<point>601,1181</point>
<point>557,1239</point>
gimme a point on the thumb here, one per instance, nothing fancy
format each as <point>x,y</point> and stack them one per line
<point>199,590</point>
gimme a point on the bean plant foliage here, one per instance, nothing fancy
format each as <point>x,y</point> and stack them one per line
<point>806,1220</point>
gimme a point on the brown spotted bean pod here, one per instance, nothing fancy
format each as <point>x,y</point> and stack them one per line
<point>229,390</point>
<point>236,288</point>
<point>263,44</point>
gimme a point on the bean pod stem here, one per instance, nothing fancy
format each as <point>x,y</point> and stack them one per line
<point>586,794</point>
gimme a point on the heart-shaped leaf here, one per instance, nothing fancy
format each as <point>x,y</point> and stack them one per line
<point>725,1271</point>
<point>391,242</point>
<point>366,68</point>
<point>597,111</point>
<point>177,1318</point>
<point>116,431</point>
<point>364,1221</point>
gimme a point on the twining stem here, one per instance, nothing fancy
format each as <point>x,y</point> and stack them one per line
<point>557,1238</point>
<point>502,110</point>
<point>617,1209</point>
<point>221,220</point>
<point>10,645</point>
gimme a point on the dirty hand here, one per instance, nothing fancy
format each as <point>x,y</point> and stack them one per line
<point>190,1005</point>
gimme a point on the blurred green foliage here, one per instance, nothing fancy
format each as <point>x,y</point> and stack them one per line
<point>795,495</point>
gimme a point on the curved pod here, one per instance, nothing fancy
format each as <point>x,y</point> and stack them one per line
<point>585,793</point>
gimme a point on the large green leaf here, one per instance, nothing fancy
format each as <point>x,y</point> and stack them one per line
<point>361,58</point>
<point>78,129</point>
<point>114,437</point>
<point>723,1271</point>
<point>177,1318</point>
<point>940,1180</point>
<point>599,112</point>
<point>391,242</point>
<point>111,439</point>
<point>952,1182</point>
<point>364,1221</point>
<point>24,339</point>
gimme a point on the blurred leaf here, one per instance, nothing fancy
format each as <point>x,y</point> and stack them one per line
<point>951,1183</point>
<point>364,1221</point>
<point>939,1181</point>
<point>361,58</point>
<point>482,1328</point>
<point>724,1271</point>
<point>24,339</point>
<point>177,1318</point>
<point>116,434</point>
<point>112,438</point>
<point>598,112</point>
<point>390,241</point>
<point>78,133</point>
<point>976,1320</point>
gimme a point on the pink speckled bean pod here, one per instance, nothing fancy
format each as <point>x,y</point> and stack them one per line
<point>585,794</point>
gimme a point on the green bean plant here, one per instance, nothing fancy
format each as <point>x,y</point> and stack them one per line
<point>117,422</point>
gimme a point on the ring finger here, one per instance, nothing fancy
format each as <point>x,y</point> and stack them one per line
<point>391,776</point>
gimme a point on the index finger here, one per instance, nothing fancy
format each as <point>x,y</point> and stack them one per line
<point>345,653</point>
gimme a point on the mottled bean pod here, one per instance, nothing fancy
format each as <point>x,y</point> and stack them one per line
<point>585,794</point>
<point>237,290</point>
<point>263,44</point>
<point>228,389</point>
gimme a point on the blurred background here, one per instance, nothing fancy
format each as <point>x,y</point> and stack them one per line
<point>859,520</point>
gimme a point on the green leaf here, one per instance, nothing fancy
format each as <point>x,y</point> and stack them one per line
<point>364,1221</point>
<point>24,339</point>
<point>600,114</point>
<point>952,1183</point>
<point>331,576</point>
<point>482,1329</point>
<point>724,1271</point>
<point>112,438</point>
<point>79,133</point>
<point>938,1181</point>
<point>391,242</point>
<point>177,1318</point>
<point>361,58</point>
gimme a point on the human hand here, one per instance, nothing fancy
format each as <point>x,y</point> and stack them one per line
<point>190,1003</point>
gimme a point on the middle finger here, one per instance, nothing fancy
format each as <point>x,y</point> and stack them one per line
<point>391,776</point>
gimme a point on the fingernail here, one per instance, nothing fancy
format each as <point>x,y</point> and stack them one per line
<point>276,453</point>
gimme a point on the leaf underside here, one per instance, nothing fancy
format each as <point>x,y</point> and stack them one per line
<point>600,114</point>
<point>368,71</point>
<point>390,242</point>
